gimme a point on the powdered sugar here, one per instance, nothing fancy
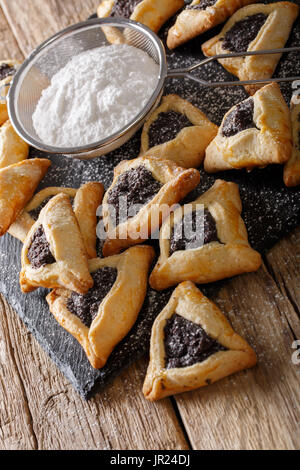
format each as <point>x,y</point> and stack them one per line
<point>95,95</point>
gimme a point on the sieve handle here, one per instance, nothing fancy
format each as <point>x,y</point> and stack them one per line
<point>186,72</point>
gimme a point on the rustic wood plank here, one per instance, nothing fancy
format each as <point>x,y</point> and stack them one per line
<point>42,411</point>
<point>16,431</point>
<point>283,262</point>
<point>254,409</point>
<point>9,48</point>
<point>39,409</point>
<point>259,408</point>
<point>36,20</point>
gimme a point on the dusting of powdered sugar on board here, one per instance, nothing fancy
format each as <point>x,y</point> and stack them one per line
<point>270,210</point>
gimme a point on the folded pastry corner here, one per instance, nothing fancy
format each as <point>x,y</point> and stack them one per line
<point>291,174</point>
<point>17,185</point>
<point>254,133</point>
<point>100,319</point>
<point>86,202</point>
<point>200,16</point>
<point>151,13</point>
<point>140,197</point>
<point>192,345</point>
<point>13,149</point>
<point>53,253</point>
<point>177,131</point>
<point>8,68</point>
<point>20,228</point>
<point>205,241</point>
<point>253,28</point>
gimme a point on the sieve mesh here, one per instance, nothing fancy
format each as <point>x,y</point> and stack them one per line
<point>37,71</point>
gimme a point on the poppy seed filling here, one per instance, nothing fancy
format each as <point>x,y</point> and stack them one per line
<point>166,127</point>
<point>124,8</point>
<point>243,32</point>
<point>39,253</point>
<point>136,186</point>
<point>193,231</point>
<point>187,343</point>
<point>239,119</point>
<point>86,306</point>
<point>202,5</point>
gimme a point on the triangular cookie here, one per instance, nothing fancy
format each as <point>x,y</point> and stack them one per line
<point>100,319</point>
<point>219,247</point>
<point>177,131</point>
<point>192,345</point>
<point>151,13</point>
<point>20,228</point>
<point>291,174</point>
<point>13,149</point>
<point>254,28</point>
<point>17,185</point>
<point>254,133</point>
<point>53,253</point>
<point>140,197</point>
<point>200,16</point>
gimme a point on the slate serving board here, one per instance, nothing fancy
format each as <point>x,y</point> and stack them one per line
<point>270,211</point>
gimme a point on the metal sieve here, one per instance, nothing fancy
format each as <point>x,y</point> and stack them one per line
<point>36,73</point>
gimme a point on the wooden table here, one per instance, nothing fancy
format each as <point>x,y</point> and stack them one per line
<point>257,409</point>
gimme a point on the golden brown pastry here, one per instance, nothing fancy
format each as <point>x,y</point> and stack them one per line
<point>200,16</point>
<point>177,131</point>
<point>205,241</point>
<point>192,345</point>
<point>151,13</point>
<point>86,203</point>
<point>140,197</point>
<point>53,253</point>
<point>254,133</point>
<point>100,319</point>
<point>20,228</point>
<point>17,185</point>
<point>12,148</point>
<point>8,69</point>
<point>254,28</point>
<point>291,174</point>
<point>87,199</point>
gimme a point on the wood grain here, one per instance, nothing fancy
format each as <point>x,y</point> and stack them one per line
<point>40,410</point>
<point>259,408</point>
<point>283,262</point>
<point>33,21</point>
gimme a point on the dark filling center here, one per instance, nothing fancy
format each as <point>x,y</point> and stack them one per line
<point>135,186</point>
<point>6,71</point>
<point>193,231</point>
<point>166,127</point>
<point>86,306</point>
<point>238,38</point>
<point>124,8</point>
<point>39,253</point>
<point>186,343</point>
<point>202,5</point>
<point>239,119</point>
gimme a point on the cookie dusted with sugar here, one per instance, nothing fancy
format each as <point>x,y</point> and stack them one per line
<point>254,133</point>
<point>192,345</point>
<point>200,16</point>
<point>178,131</point>
<point>254,28</point>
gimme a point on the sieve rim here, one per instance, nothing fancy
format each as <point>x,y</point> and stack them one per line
<point>112,139</point>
